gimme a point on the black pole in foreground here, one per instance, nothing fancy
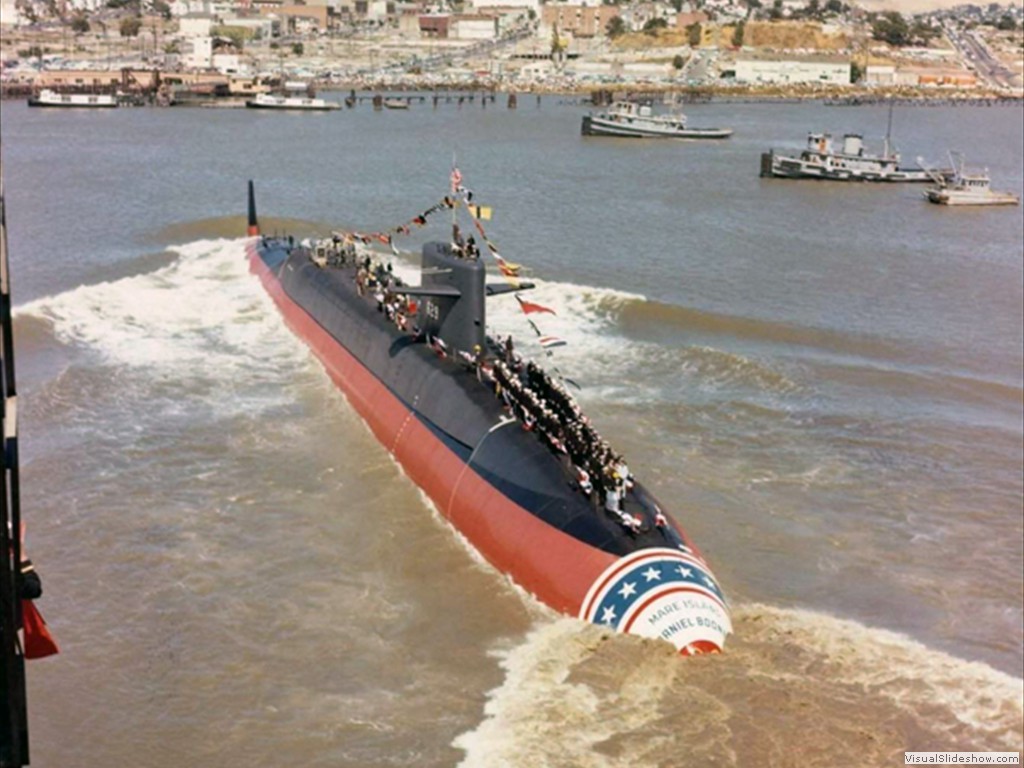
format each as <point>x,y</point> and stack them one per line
<point>13,701</point>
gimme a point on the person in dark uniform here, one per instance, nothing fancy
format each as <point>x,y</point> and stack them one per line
<point>31,584</point>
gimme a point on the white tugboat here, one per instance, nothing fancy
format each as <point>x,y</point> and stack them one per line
<point>850,161</point>
<point>305,103</point>
<point>821,160</point>
<point>965,188</point>
<point>627,119</point>
<point>50,98</point>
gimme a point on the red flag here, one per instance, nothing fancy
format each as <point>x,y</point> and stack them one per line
<point>456,179</point>
<point>39,643</point>
<point>530,308</point>
<point>507,268</point>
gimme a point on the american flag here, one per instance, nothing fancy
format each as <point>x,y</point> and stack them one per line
<point>456,180</point>
<point>552,341</point>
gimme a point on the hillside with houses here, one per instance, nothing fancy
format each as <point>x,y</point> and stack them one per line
<point>738,47</point>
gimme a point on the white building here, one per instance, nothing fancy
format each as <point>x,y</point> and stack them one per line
<point>757,71</point>
<point>474,27</point>
<point>536,70</point>
<point>198,53</point>
<point>181,8</point>
<point>264,26</point>
<point>85,5</point>
<point>528,5</point>
<point>9,13</point>
<point>196,25</point>
<point>229,64</point>
<point>376,10</point>
<point>880,74</point>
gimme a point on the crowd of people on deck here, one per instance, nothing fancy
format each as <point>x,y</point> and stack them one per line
<point>334,251</point>
<point>464,248</point>
<point>380,281</point>
<point>542,404</point>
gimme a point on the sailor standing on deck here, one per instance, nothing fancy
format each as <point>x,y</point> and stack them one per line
<point>31,584</point>
<point>459,243</point>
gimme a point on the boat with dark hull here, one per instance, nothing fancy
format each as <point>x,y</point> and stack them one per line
<point>850,160</point>
<point>429,388</point>
<point>627,119</point>
<point>820,159</point>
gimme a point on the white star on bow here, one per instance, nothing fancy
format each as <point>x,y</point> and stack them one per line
<point>629,588</point>
<point>652,574</point>
<point>685,572</point>
<point>608,615</point>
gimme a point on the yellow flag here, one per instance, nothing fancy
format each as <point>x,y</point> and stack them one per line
<point>481,212</point>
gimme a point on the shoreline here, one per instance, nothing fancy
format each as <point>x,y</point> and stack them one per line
<point>596,96</point>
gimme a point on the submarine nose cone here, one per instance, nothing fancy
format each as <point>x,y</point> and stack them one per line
<point>661,593</point>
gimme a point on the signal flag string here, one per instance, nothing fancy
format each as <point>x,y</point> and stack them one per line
<point>461,196</point>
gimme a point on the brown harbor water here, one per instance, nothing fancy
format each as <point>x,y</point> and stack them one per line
<point>824,382</point>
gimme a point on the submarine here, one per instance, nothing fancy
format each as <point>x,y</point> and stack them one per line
<point>498,444</point>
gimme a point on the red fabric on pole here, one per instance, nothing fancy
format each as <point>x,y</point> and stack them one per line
<point>39,643</point>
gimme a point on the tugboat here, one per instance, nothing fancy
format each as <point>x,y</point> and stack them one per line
<point>50,98</point>
<point>302,103</point>
<point>967,188</point>
<point>498,444</point>
<point>851,162</point>
<point>819,160</point>
<point>638,121</point>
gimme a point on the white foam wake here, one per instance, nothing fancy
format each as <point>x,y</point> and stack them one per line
<point>202,319</point>
<point>572,692</point>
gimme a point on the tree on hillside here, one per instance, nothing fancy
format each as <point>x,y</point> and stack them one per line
<point>922,33</point>
<point>1006,23</point>
<point>693,34</point>
<point>653,25</point>
<point>237,35</point>
<point>891,28</point>
<point>556,44</point>
<point>130,26</point>
<point>615,27</point>
<point>737,35</point>
<point>80,23</point>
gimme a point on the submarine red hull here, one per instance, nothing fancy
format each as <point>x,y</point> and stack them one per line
<point>665,591</point>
